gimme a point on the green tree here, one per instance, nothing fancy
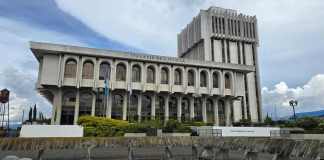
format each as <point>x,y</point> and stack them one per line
<point>308,123</point>
<point>35,113</point>
<point>268,120</point>
<point>30,115</point>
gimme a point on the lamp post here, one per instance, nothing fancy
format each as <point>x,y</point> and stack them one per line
<point>293,103</point>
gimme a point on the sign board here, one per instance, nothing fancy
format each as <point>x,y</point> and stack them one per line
<point>51,131</point>
<point>236,131</point>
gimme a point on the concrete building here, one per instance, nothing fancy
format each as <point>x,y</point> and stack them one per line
<point>215,78</point>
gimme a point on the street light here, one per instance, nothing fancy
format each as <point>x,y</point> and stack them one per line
<point>293,103</point>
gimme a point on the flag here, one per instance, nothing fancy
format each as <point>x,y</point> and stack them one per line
<point>106,91</point>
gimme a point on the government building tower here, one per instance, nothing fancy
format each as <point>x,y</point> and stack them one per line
<point>214,79</point>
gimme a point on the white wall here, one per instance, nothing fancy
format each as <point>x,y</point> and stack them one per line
<point>233,52</point>
<point>51,131</point>
<point>217,50</point>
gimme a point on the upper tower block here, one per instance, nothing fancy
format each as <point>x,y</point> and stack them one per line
<point>226,26</point>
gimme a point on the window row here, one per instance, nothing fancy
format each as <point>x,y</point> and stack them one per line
<point>121,71</point>
<point>233,26</point>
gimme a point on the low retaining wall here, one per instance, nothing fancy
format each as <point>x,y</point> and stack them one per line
<point>176,134</point>
<point>307,136</point>
<point>283,147</point>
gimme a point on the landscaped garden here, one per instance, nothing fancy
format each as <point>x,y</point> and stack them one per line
<point>105,127</point>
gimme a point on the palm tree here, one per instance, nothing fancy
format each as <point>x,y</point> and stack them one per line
<point>294,103</point>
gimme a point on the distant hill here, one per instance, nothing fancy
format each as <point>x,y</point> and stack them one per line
<point>319,113</point>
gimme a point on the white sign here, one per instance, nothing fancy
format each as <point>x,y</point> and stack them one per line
<point>51,131</point>
<point>236,131</point>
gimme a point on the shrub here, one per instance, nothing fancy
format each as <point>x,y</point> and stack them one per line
<point>308,123</point>
<point>175,126</point>
<point>194,123</point>
<point>243,122</point>
<point>102,127</point>
<point>268,120</point>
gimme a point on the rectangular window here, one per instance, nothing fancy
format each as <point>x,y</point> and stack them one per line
<point>239,28</point>
<point>212,49</point>
<point>228,52</point>
<point>239,52</point>
<point>213,24</point>
<point>223,24</point>
<point>243,53</point>
<point>223,51</point>
<point>216,24</point>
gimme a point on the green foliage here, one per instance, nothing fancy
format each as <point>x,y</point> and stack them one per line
<point>321,126</point>
<point>144,127</point>
<point>30,114</point>
<point>102,127</point>
<point>175,126</point>
<point>308,123</point>
<point>268,120</point>
<point>194,123</point>
<point>35,113</point>
<point>243,122</point>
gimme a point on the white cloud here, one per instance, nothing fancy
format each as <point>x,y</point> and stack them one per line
<point>18,67</point>
<point>153,24</point>
<point>309,96</point>
<point>150,25</point>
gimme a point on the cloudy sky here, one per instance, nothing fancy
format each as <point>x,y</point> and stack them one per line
<point>291,35</point>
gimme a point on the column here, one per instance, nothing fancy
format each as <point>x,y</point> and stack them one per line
<point>204,112</point>
<point>109,105</point>
<point>166,107</point>
<point>179,101</point>
<point>58,106</point>
<point>228,111</point>
<point>153,103</point>
<point>54,110</point>
<point>93,106</point>
<point>192,108</point>
<point>139,106</point>
<point>245,107</point>
<point>77,106</point>
<point>125,106</point>
<point>216,120</point>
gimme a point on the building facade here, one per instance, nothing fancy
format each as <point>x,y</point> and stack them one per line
<point>215,78</point>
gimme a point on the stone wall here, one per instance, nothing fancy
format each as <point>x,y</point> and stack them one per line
<point>295,149</point>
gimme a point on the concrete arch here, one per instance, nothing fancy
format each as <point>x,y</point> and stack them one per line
<point>231,78</point>
<point>169,69</point>
<point>207,72</point>
<point>85,59</point>
<point>102,61</point>
<point>219,76</point>
<point>125,63</point>
<point>155,67</point>
<point>182,70</point>
<point>66,59</point>
<point>195,71</point>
